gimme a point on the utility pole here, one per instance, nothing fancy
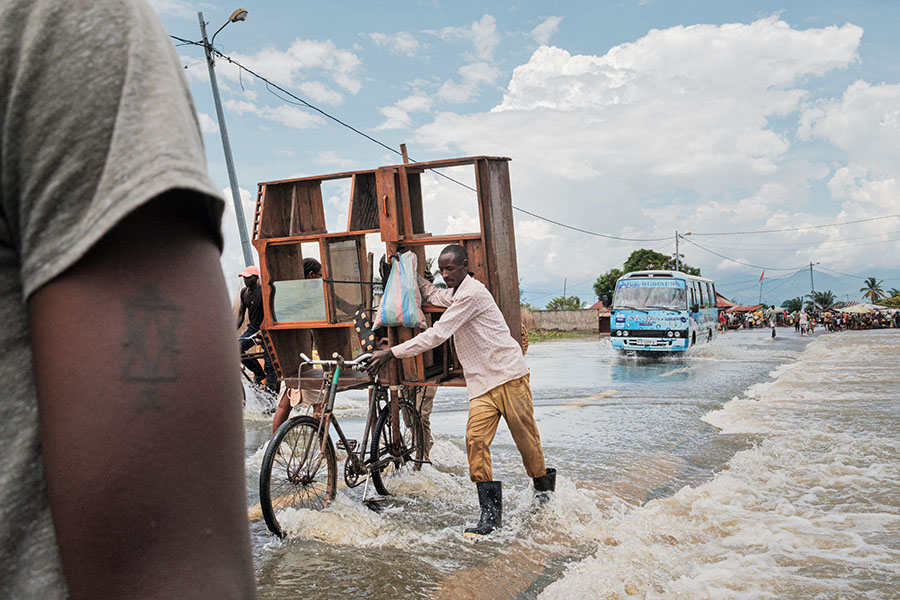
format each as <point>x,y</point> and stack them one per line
<point>677,258</point>
<point>812,285</point>
<point>226,145</point>
<point>564,289</point>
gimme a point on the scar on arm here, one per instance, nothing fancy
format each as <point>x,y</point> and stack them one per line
<point>151,344</point>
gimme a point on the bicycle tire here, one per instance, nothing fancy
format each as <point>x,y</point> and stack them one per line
<point>411,448</point>
<point>294,472</point>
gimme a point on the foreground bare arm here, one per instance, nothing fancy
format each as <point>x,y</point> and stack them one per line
<point>140,413</point>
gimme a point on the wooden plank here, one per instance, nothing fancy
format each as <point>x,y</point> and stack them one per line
<point>363,213</point>
<point>328,177</point>
<point>275,212</point>
<point>286,347</point>
<point>495,201</point>
<point>405,208</point>
<point>440,240</point>
<point>449,162</point>
<point>286,325</point>
<point>315,237</point>
<point>310,209</point>
<point>259,196</point>
<point>387,205</point>
<point>477,261</point>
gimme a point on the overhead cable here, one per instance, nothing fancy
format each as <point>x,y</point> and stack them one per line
<point>798,228</point>
<point>301,102</point>
<point>733,260</point>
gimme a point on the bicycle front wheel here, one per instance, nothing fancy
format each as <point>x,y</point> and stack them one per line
<point>299,470</point>
<point>401,458</point>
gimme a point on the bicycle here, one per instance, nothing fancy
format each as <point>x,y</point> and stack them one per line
<point>299,467</point>
<point>266,398</point>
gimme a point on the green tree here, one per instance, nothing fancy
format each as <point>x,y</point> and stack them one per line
<point>645,260</point>
<point>606,284</point>
<point>522,302</point>
<point>893,293</point>
<point>892,302</point>
<point>871,289</point>
<point>639,260</point>
<point>823,300</point>
<point>429,265</point>
<point>793,305</point>
<point>565,303</point>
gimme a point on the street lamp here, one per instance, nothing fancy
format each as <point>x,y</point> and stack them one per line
<point>238,15</point>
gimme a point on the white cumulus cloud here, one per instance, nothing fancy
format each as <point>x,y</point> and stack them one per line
<point>546,30</point>
<point>398,43</point>
<point>669,130</point>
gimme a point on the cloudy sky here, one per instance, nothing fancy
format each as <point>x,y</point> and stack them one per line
<point>631,119</point>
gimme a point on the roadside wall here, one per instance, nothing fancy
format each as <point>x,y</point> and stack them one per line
<point>584,320</point>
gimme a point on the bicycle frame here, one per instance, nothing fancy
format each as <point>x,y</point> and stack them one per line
<point>357,457</point>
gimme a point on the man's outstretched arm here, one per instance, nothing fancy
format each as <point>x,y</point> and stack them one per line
<point>140,412</point>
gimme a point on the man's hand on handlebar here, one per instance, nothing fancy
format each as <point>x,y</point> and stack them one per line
<point>378,360</point>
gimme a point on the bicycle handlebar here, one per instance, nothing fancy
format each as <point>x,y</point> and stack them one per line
<point>357,362</point>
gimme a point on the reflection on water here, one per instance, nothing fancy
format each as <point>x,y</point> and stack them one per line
<point>790,455</point>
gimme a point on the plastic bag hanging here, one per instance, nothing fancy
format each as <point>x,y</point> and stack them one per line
<point>401,304</point>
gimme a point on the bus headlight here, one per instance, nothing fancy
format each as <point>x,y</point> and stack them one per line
<point>619,332</point>
<point>669,334</point>
<point>677,334</point>
<point>625,334</point>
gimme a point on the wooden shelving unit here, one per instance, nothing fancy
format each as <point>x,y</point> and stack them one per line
<point>290,218</point>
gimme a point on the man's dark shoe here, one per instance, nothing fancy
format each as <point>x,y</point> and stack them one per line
<point>490,497</point>
<point>544,484</point>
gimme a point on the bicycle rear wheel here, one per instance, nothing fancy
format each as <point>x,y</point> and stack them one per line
<point>407,456</point>
<point>299,470</point>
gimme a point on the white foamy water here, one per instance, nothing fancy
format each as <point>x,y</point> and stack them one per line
<point>811,510</point>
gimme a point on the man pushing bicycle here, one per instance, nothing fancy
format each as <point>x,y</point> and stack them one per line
<point>497,380</point>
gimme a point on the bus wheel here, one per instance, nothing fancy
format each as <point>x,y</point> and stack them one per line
<point>694,339</point>
<point>709,337</point>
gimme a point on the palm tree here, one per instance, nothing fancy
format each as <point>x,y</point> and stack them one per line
<point>872,290</point>
<point>793,305</point>
<point>823,299</point>
<point>893,293</point>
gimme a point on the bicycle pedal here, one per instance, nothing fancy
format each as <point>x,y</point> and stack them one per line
<point>353,444</point>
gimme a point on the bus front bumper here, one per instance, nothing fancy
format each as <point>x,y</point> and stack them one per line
<point>655,344</point>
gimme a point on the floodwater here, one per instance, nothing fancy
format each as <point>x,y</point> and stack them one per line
<point>751,468</point>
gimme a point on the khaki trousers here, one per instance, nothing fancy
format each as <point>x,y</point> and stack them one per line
<point>512,400</point>
<point>425,404</point>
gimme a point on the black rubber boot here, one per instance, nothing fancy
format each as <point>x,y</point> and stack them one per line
<point>544,484</point>
<point>490,497</point>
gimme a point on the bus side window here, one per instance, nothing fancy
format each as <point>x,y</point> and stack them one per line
<point>693,295</point>
<point>710,302</point>
<point>700,299</point>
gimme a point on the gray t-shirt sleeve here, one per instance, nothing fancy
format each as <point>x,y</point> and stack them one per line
<point>102,121</point>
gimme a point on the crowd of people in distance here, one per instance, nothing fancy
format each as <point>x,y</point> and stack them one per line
<point>805,322</point>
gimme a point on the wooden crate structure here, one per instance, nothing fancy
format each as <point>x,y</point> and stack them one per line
<point>290,216</point>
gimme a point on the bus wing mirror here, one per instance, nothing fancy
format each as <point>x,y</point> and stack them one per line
<point>695,307</point>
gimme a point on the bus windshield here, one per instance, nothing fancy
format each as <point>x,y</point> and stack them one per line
<point>643,294</point>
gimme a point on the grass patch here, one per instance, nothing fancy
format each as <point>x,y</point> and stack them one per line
<point>544,336</point>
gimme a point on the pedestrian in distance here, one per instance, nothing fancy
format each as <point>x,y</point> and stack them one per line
<point>251,305</point>
<point>122,467</point>
<point>497,380</point>
<point>772,316</point>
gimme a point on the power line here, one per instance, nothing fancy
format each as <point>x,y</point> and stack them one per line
<point>301,102</point>
<point>731,259</point>
<point>803,247</point>
<point>799,228</point>
<point>857,276</point>
<point>594,233</point>
<point>797,245</point>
